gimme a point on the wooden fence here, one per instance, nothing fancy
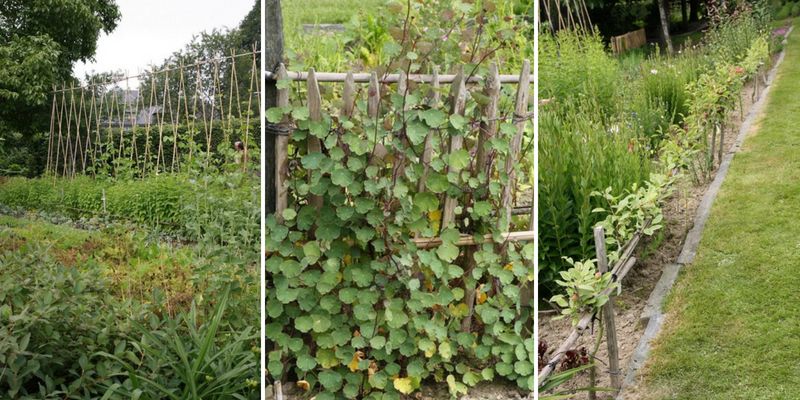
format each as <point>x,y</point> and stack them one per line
<point>618,271</point>
<point>628,41</point>
<point>484,160</point>
<point>457,105</point>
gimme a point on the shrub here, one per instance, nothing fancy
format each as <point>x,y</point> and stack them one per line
<point>578,156</point>
<point>784,12</point>
<point>52,320</point>
<point>574,67</point>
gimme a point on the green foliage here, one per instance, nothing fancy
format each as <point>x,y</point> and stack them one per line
<point>354,307</point>
<point>637,210</point>
<point>585,289</point>
<point>576,68</point>
<point>79,308</point>
<point>607,126</point>
<point>212,208</point>
<point>186,358</point>
<point>576,157</point>
<point>729,39</point>
<point>371,40</point>
<point>52,320</point>
<point>39,42</point>
<point>785,11</point>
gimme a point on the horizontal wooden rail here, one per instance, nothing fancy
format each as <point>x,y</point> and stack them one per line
<point>468,240</point>
<point>388,78</point>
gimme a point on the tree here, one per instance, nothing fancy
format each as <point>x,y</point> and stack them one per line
<point>39,42</point>
<point>204,81</point>
<point>664,16</point>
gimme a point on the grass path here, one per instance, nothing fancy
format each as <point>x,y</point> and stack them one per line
<point>733,324</point>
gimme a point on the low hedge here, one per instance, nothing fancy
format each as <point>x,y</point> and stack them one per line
<point>215,209</point>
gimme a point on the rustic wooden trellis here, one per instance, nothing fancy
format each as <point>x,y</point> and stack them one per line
<point>184,110</point>
<point>460,87</point>
<point>459,92</point>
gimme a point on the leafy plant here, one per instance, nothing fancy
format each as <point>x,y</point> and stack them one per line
<point>186,358</point>
<point>355,308</point>
<point>584,288</point>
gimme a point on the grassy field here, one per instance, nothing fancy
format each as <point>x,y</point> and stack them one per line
<point>298,12</point>
<point>733,325</point>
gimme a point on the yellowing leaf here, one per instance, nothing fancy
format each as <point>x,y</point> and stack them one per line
<point>347,260</point>
<point>353,365</point>
<point>481,297</point>
<point>445,350</point>
<point>435,217</point>
<point>373,368</point>
<point>458,311</point>
<point>303,385</point>
<point>509,267</point>
<point>403,385</point>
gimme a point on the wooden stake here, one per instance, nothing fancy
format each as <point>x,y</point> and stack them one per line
<point>608,310</point>
<point>281,154</point>
<point>459,99</point>
<point>273,56</point>
<point>278,391</point>
<point>520,112</point>
<point>427,154</point>
<point>314,115</point>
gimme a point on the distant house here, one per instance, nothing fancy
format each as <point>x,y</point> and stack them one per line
<point>130,114</point>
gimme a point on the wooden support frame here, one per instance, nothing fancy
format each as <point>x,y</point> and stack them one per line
<point>468,240</point>
<point>619,271</point>
<point>388,78</point>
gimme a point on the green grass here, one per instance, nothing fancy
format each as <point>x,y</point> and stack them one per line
<point>734,315</point>
<point>298,12</point>
<point>321,50</point>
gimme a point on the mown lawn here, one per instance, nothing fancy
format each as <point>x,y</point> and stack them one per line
<point>733,328</point>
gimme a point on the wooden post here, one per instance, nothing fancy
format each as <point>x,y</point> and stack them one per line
<point>459,99</point>
<point>273,56</point>
<point>520,111</point>
<point>608,310</point>
<point>427,154</point>
<point>314,145</point>
<point>278,391</point>
<point>712,150</point>
<point>281,141</point>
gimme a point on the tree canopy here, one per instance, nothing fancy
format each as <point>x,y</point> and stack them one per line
<point>39,42</point>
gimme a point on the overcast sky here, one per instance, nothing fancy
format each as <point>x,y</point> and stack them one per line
<point>151,30</point>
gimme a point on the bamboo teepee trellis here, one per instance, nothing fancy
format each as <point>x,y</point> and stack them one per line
<point>206,112</point>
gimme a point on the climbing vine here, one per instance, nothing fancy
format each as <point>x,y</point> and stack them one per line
<point>359,305</point>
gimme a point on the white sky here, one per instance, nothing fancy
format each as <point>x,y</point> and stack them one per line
<point>151,30</point>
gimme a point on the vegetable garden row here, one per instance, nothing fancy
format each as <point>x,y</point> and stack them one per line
<point>130,268</point>
<point>616,137</point>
